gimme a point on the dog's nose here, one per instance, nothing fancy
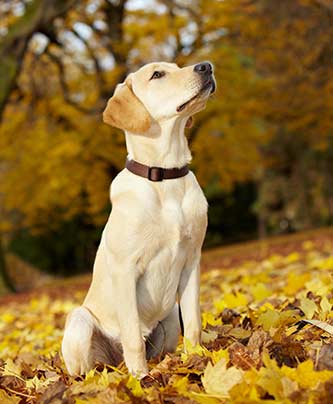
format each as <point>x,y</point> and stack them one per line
<point>203,68</point>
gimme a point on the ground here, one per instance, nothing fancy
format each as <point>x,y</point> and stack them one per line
<point>267,335</point>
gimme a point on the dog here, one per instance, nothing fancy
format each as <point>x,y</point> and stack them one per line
<point>147,266</point>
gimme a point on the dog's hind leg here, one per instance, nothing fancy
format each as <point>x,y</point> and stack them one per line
<point>164,337</point>
<point>84,343</point>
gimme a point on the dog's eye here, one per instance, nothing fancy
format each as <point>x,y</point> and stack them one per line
<point>157,75</point>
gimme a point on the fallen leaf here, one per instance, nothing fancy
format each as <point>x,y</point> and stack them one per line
<point>308,307</point>
<point>240,356</point>
<point>319,324</point>
<point>218,380</point>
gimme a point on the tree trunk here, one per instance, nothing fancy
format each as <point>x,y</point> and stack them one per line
<point>6,284</point>
<point>38,15</point>
<point>329,178</point>
<point>260,212</point>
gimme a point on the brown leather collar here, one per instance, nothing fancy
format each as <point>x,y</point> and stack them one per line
<point>155,173</point>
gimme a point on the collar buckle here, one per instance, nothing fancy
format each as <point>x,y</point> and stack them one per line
<point>155,174</point>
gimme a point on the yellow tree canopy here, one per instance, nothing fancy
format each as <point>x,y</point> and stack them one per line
<point>58,158</point>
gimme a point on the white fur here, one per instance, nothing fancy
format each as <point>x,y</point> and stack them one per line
<point>150,248</point>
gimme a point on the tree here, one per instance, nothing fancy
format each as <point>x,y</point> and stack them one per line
<point>38,16</point>
<point>291,43</point>
<point>13,45</point>
<point>116,39</point>
<point>268,59</point>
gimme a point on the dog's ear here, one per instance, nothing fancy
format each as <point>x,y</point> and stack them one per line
<point>125,111</point>
<point>189,123</point>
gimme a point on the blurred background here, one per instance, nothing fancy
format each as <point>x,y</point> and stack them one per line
<point>262,149</point>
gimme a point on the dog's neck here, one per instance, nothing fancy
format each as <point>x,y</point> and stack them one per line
<point>165,145</point>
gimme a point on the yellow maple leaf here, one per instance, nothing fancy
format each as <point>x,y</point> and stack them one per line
<point>181,384</point>
<point>231,301</point>
<point>268,320</point>
<point>12,369</point>
<point>209,318</point>
<point>308,307</point>
<point>216,356</point>
<point>295,282</point>
<point>325,305</point>
<point>273,380</point>
<point>218,380</point>
<point>40,384</point>
<point>134,385</point>
<point>260,291</point>
<point>6,399</point>
<point>306,376</point>
<point>274,319</point>
<point>193,349</point>
<point>320,286</point>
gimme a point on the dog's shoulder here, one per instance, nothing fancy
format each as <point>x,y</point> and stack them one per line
<point>194,196</point>
<point>126,187</point>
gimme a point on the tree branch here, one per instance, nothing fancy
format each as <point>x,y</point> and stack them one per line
<point>38,14</point>
<point>172,5</point>
<point>64,86</point>
<point>97,66</point>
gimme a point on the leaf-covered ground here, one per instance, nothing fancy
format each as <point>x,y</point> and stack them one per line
<point>267,337</point>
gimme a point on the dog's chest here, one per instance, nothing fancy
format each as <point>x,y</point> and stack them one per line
<point>176,223</point>
<point>179,227</point>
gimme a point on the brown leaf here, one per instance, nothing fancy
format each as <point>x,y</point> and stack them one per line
<point>230,316</point>
<point>176,399</point>
<point>12,382</point>
<point>257,342</point>
<point>288,352</point>
<point>53,394</point>
<point>167,364</point>
<point>217,344</point>
<point>150,381</point>
<point>27,371</point>
<point>56,361</point>
<point>240,356</point>
<point>162,371</point>
<point>325,357</point>
<point>197,362</point>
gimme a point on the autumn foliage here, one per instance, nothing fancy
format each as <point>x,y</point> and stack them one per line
<point>267,337</point>
<point>270,121</point>
<point>267,311</point>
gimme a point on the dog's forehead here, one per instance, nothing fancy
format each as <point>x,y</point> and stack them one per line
<point>151,67</point>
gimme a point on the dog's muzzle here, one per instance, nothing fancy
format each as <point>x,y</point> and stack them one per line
<point>205,70</point>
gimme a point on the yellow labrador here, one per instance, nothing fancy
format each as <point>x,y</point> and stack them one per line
<point>148,257</point>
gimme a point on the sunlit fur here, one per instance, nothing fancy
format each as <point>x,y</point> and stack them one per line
<point>149,254</point>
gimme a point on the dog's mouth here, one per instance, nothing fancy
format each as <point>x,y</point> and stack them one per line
<point>210,83</point>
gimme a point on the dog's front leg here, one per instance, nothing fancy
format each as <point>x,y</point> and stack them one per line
<point>134,349</point>
<point>188,291</point>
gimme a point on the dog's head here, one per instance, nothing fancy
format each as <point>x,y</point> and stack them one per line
<point>157,92</point>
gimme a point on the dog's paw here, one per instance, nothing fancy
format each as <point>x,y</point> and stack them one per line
<point>136,362</point>
<point>139,373</point>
